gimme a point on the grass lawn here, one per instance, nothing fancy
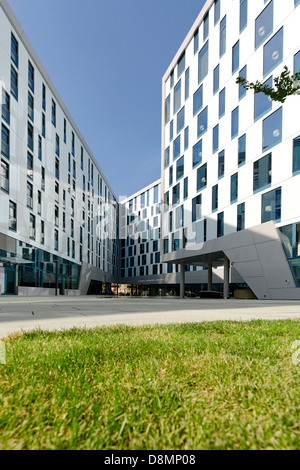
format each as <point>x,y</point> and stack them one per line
<point>221,385</point>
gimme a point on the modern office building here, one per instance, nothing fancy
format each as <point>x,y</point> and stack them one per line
<point>141,270</point>
<point>59,215</point>
<point>231,159</point>
<point>224,215</point>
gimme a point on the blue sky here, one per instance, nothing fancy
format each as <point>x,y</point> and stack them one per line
<point>107,60</point>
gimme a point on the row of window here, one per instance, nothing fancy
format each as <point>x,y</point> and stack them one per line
<point>263,29</point>
<point>14,91</point>
<point>262,105</point>
<point>272,56</point>
<point>270,210</point>
<point>12,225</point>
<point>143,200</point>
<point>272,131</point>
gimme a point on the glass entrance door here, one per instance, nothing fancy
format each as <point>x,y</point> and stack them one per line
<point>10,281</point>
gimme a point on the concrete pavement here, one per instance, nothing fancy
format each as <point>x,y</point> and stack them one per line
<point>56,313</point>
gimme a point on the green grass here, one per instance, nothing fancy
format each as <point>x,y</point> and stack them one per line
<point>222,385</point>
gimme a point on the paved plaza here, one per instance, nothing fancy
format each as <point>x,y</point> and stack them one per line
<point>56,313</point>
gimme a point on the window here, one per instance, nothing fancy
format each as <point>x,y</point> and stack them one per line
<point>197,153</point>
<point>176,148</point>
<point>264,25</point>
<point>181,65</point>
<point>171,130</point>
<point>235,57</point>
<point>180,120</point>
<point>30,107</point>
<point>65,131</point>
<point>177,97</point>
<point>56,216</point>
<point>175,241</point>
<point>31,76</point>
<point>29,165</point>
<point>202,122</point>
<point>272,130</point>
<point>222,103</point>
<point>197,208</point>
<point>297,63</point>
<point>81,159</point>
<point>57,168</point>
<point>235,123</point>
<point>176,194</point>
<point>234,188</point>
<point>14,50</point>
<point>273,52</point>
<point>180,168</point>
<point>30,136</point>
<point>186,188</point>
<point>223,36</point>
<point>43,125</point>
<point>186,138</point>
<point>5,106</point>
<point>172,79</point>
<point>43,178</point>
<point>56,240</point>
<point>155,194</point>
<point>220,225</point>
<point>242,150</point>
<point>215,195</point>
<point>39,202</point>
<point>243,14</point>
<point>5,150</point>
<point>53,113</point>
<point>240,217</point>
<point>216,79</point>
<point>179,217</point>
<point>221,164</point>
<point>4,176</point>
<point>262,102</point>
<point>187,84</point>
<point>202,177</point>
<point>42,232</point>
<point>40,148</point>
<point>296,155</point>
<point>217,10</point>
<point>262,173</point>
<point>242,90</point>
<point>205,27</point>
<point>44,97</point>
<point>196,42</point>
<point>198,100</point>
<point>271,206</point>
<point>167,157</point>
<point>57,145</point>
<point>203,63</point>
<point>73,144</point>
<point>14,83</point>
<point>167,109</point>
<point>216,138</point>
<point>29,195</point>
<point>166,245</point>
<point>32,226</point>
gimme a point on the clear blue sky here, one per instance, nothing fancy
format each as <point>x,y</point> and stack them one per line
<point>107,60</point>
